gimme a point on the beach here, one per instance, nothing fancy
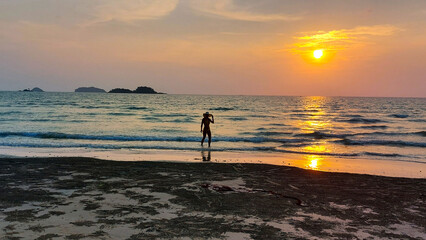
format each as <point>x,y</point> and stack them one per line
<point>86,198</point>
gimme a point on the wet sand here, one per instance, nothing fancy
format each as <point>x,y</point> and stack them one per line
<point>84,198</point>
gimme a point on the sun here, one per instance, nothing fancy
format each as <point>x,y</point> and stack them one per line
<point>318,53</point>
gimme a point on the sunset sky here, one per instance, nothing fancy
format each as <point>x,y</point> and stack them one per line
<point>370,48</point>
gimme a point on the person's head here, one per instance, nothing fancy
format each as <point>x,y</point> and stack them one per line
<point>206,114</point>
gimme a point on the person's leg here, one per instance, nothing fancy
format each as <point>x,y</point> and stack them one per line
<point>210,137</point>
<point>204,137</point>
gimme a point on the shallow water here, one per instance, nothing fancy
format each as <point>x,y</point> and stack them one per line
<point>314,128</point>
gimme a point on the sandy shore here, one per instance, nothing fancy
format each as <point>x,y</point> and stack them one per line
<point>83,198</point>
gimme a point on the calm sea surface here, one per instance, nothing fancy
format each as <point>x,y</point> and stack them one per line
<point>387,129</point>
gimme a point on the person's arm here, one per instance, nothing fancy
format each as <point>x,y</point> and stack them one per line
<point>212,119</point>
<point>202,122</point>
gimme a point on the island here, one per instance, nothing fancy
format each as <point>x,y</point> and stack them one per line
<point>142,89</point>
<point>120,90</point>
<point>90,89</point>
<point>36,89</point>
<point>145,90</point>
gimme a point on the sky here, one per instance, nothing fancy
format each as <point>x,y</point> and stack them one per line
<point>240,47</point>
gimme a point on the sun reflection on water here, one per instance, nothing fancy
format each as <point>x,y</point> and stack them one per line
<point>312,162</point>
<point>317,149</point>
<point>317,117</point>
<point>317,121</point>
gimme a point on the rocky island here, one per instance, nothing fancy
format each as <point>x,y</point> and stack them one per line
<point>36,89</point>
<point>120,90</point>
<point>90,89</point>
<point>143,90</point>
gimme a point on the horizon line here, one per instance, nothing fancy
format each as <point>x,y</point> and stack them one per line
<point>252,95</point>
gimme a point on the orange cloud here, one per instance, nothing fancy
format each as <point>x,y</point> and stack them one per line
<point>335,40</point>
<point>132,10</point>
<point>227,9</point>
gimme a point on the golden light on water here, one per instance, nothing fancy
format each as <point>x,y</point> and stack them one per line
<point>313,162</point>
<point>318,53</point>
<point>316,121</point>
<point>317,149</point>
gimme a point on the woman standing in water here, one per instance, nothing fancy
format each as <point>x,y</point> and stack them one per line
<point>206,122</point>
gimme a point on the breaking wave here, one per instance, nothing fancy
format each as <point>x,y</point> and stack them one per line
<point>396,143</point>
<point>361,120</point>
<point>56,135</point>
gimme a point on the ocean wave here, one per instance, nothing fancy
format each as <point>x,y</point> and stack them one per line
<point>397,143</point>
<point>169,115</point>
<point>278,124</point>
<point>305,110</point>
<point>198,148</point>
<point>417,120</point>
<point>421,133</point>
<point>383,154</point>
<point>237,118</point>
<point>116,147</point>
<point>221,109</point>
<point>165,120</point>
<point>361,120</point>
<point>272,133</point>
<point>12,112</point>
<point>374,127</point>
<point>267,133</point>
<point>94,107</point>
<point>296,144</point>
<point>41,120</point>
<point>388,155</point>
<point>352,115</point>
<point>300,114</point>
<point>399,115</point>
<point>79,121</point>
<point>181,120</point>
<point>60,116</point>
<point>136,108</point>
<point>151,119</point>
<point>319,153</point>
<point>121,114</point>
<point>320,135</point>
<point>261,116</point>
<point>56,135</point>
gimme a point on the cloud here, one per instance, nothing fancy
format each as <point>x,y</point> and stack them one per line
<point>227,9</point>
<point>340,39</point>
<point>129,11</point>
<point>84,12</point>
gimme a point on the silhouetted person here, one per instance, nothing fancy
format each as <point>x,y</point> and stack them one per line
<point>206,122</point>
<point>206,156</point>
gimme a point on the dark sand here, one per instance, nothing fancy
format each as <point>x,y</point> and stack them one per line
<point>82,198</point>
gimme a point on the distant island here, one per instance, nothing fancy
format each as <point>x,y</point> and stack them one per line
<point>90,89</point>
<point>36,89</point>
<point>120,90</point>
<point>143,90</point>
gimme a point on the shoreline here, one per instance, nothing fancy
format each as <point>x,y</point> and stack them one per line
<point>377,167</point>
<point>86,198</point>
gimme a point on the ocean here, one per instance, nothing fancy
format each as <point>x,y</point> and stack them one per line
<point>377,132</point>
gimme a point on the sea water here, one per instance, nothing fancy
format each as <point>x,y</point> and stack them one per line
<point>389,131</point>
